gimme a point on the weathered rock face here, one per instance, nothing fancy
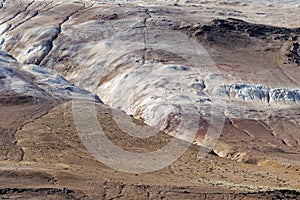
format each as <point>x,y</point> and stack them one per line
<point>294,54</point>
<point>36,82</point>
<point>137,69</point>
<point>259,94</point>
<point>162,64</point>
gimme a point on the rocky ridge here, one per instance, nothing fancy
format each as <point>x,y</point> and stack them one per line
<point>36,82</point>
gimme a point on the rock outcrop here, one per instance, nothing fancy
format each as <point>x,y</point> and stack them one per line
<point>36,82</point>
<point>259,94</point>
<point>294,54</point>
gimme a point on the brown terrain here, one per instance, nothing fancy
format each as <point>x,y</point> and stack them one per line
<point>94,45</point>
